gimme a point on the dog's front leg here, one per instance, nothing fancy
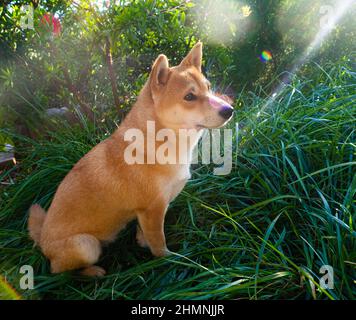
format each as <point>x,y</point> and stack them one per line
<point>151,222</point>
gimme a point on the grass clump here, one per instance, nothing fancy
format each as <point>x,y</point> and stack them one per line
<point>261,232</point>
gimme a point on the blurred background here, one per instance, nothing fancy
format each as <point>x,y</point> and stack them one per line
<point>93,56</point>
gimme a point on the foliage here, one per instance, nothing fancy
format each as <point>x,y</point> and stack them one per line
<point>261,232</point>
<point>52,73</point>
<point>40,71</point>
<point>7,292</point>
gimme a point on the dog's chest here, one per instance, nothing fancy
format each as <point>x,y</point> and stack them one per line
<point>183,173</point>
<point>173,184</point>
<point>177,173</point>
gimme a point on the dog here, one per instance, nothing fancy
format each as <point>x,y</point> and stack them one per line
<point>102,192</point>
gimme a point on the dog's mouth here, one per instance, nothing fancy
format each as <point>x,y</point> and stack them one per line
<point>201,126</point>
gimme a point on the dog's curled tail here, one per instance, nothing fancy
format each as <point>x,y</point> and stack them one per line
<point>35,222</point>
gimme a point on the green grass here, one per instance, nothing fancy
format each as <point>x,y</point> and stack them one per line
<point>261,232</point>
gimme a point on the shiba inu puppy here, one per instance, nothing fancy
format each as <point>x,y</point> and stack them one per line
<point>102,193</point>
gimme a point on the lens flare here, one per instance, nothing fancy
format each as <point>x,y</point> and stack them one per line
<point>341,8</point>
<point>265,56</point>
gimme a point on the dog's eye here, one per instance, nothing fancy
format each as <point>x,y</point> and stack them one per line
<point>190,97</point>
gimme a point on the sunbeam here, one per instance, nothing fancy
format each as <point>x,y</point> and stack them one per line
<point>341,7</point>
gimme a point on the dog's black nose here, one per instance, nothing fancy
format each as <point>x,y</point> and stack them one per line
<point>226,112</point>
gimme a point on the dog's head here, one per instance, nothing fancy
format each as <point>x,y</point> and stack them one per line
<point>182,95</point>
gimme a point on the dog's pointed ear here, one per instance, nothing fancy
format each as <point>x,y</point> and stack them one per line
<point>160,72</point>
<point>194,57</point>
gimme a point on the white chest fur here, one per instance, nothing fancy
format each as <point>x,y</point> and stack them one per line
<point>181,173</point>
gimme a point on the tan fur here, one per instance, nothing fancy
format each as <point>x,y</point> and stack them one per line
<point>35,222</point>
<point>102,193</point>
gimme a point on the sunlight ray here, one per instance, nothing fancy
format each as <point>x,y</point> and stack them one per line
<point>342,7</point>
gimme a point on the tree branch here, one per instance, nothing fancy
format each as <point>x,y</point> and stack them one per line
<point>112,74</point>
<point>73,89</point>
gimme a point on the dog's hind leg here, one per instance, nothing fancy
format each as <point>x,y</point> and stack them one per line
<point>76,252</point>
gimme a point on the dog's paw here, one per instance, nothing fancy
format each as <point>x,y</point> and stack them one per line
<point>168,253</point>
<point>93,271</point>
<point>162,253</point>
